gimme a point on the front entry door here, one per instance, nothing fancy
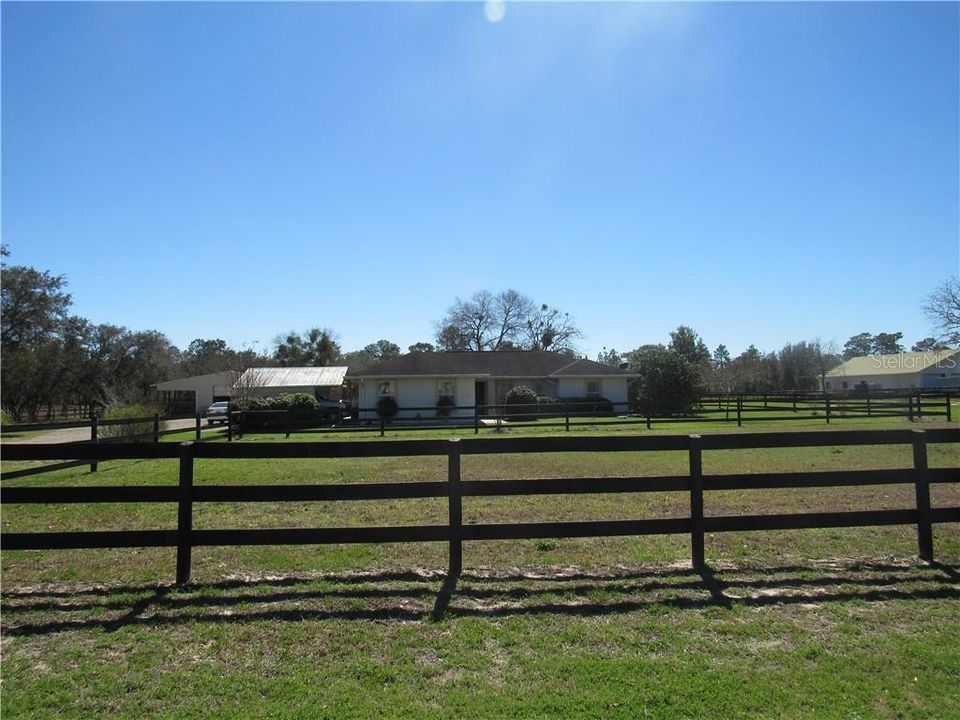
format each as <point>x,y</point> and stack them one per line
<point>480,396</point>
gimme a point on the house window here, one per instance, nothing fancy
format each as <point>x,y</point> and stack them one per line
<point>593,388</point>
<point>446,389</point>
<point>386,388</point>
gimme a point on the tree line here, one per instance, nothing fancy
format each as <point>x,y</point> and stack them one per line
<point>54,359</point>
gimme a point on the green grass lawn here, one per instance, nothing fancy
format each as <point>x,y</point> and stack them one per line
<point>841,623</point>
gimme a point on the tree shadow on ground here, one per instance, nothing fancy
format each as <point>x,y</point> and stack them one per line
<point>424,596</point>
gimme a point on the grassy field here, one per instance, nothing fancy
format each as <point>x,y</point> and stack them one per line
<point>813,623</point>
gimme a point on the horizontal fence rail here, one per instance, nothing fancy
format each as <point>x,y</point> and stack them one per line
<point>153,434</point>
<point>913,405</point>
<point>186,493</point>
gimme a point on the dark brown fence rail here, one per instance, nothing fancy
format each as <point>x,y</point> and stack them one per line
<point>455,532</point>
<point>96,437</point>
<point>739,409</point>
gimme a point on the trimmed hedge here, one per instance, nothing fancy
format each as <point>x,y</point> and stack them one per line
<point>520,401</point>
<point>284,401</point>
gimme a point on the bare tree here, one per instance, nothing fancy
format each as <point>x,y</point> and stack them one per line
<point>246,386</point>
<point>550,329</point>
<point>502,321</point>
<point>943,310</point>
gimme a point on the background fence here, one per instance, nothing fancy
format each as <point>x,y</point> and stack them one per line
<point>127,425</point>
<point>454,489</point>
<point>739,409</point>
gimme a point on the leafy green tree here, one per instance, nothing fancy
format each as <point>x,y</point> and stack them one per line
<point>317,347</point>
<point>382,350</point>
<point>33,304</point>
<point>688,345</point>
<point>721,357</point>
<point>205,356</point>
<point>371,354</point>
<point>859,345</point>
<point>610,357</point>
<point>887,343</point>
<point>422,347</point>
<point>668,384</point>
<point>928,344</point>
<point>799,366</point>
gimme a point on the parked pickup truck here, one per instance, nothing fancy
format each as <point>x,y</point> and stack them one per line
<point>333,410</point>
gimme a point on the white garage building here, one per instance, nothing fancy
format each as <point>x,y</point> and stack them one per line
<point>195,393</point>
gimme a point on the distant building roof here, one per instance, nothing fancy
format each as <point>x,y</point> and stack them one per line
<point>219,379</point>
<point>504,363</point>
<point>899,364</point>
<point>273,377</point>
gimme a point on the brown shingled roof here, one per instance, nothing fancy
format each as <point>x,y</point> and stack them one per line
<point>502,363</point>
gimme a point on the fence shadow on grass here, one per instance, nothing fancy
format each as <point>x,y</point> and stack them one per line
<point>411,596</point>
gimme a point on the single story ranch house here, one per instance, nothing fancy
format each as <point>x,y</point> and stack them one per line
<point>934,369</point>
<point>420,380</point>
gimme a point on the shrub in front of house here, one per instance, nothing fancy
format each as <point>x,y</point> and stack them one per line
<point>445,406</point>
<point>297,410</point>
<point>300,402</point>
<point>521,403</point>
<point>387,408</point>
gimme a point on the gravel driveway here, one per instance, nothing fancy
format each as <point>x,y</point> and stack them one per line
<point>65,435</point>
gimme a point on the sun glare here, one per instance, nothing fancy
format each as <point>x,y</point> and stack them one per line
<point>494,10</point>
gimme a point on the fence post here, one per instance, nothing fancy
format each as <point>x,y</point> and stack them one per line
<point>289,423</point>
<point>869,411</point>
<point>826,407</point>
<point>567,419</point>
<point>94,437</point>
<point>919,405</point>
<point>199,422</point>
<point>949,419</point>
<point>739,410</point>
<point>229,426</point>
<point>696,502</point>
<point>185,513</point>
<point>910,406</point>
<point>476,419</point>
<point>922,484</point>
<point>156,428</point>
<point>648,419</point>
<point>455,500</point>
<point>381,426</point>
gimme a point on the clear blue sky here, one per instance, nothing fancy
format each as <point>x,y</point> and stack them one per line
<point>763,172</point>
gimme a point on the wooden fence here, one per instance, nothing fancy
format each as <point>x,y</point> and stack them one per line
<point>454,489</point>
<point>95,423</point>
<point>914,405</point>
